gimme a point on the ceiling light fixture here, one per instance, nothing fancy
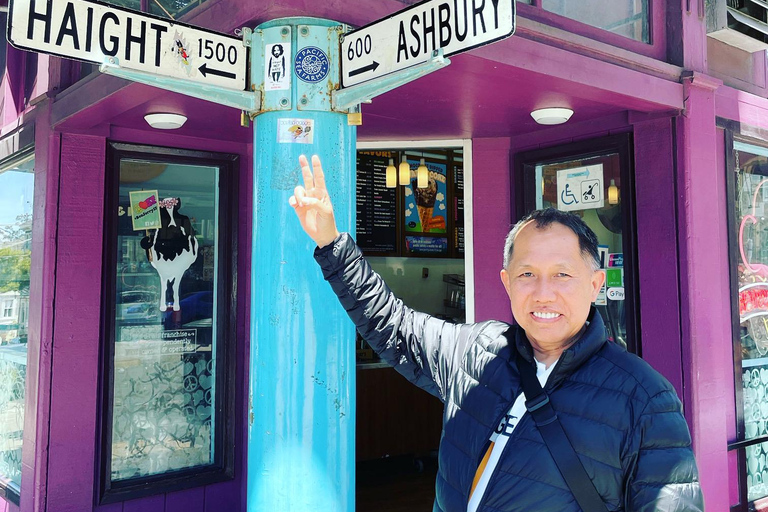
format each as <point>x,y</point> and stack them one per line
<point>165,120</point>
<point>551,115</point>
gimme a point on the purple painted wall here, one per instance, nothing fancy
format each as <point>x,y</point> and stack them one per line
<point>70,365</point>
<point>705,297</point>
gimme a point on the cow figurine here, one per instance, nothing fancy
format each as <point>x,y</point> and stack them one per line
<point>172,249</point>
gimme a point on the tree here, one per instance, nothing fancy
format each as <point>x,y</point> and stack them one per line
<point>14,269</point>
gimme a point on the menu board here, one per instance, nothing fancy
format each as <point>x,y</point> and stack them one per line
<point>426,212</point>
<point>376,204</point>
<point>458,209</point>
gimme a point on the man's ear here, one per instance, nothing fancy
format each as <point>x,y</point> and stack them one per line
<point>598,280</point>
<point>504,275</point>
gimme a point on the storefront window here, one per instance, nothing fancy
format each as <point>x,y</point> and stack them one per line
<point>628,18</point>
<point>169,319</point>
<point>16,197</point>
<point>172,9</point>
<point>750,204</point>
<point>593,184</point>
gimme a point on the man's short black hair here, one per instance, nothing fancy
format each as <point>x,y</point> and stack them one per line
<point>548,216</point>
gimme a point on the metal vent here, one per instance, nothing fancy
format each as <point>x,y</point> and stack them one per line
<point>749,18</point>
<point>740,23</point>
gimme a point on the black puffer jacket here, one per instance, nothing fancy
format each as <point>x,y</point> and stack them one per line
<point>623,418</point>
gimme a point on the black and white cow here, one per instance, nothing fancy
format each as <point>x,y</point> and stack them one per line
<point>172,249</point>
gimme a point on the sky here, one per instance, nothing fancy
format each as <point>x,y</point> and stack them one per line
<point>16,190</point>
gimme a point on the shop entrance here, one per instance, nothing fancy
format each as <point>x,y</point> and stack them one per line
<point>593,179</point>
<point>412,223</point>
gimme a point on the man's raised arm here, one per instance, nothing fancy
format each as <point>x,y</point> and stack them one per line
<point>422,348</point>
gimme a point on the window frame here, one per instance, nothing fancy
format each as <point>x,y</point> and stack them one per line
<point>657,34</point>
<point>7,491</point>
<point>623,146</point>
<point>222,467</point>
<point>757,137</point>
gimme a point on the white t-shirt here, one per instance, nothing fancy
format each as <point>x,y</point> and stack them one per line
<point>501,435</point>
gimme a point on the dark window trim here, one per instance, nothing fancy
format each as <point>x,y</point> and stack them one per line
<point>621,144</point>
<point>222,468</point>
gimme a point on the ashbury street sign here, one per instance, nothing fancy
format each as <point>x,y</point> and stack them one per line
<point>410,36</point>
<point>100,33</point>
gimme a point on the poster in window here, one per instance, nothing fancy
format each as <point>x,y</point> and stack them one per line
<point>426,208</point>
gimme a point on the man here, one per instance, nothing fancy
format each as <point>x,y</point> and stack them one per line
<point>622,418</point>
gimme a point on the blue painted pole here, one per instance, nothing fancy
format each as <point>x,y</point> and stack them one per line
<point>301,437</point>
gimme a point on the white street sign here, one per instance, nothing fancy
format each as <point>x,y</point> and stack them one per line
<point>95,32</point>
<point>409,37</point>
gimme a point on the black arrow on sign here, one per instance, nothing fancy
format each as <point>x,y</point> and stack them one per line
<point>204,69</point>
<point>369,67</point>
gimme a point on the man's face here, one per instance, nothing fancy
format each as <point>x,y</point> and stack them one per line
<point>550,284</point>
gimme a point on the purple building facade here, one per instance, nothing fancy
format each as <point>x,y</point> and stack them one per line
<point>669,102</point>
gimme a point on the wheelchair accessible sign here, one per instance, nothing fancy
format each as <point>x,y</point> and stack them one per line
<point>580,188</point>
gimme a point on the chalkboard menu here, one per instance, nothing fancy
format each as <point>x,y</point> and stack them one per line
<point>376,204</point>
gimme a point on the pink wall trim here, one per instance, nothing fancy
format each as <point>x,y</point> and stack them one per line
<point>657,236</point>
<point>75,352</point>
<point>707,351</point>
<point>492,213</point>
<point>740,106</point>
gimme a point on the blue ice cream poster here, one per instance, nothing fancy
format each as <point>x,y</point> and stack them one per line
<point>425,208</point>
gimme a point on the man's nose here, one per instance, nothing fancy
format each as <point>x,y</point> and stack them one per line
<point>544,291</point>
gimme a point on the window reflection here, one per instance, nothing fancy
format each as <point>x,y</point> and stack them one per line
<point>164,355</point>
<point>752,275</point>
<point>16,198</point>
<point>628,18</point>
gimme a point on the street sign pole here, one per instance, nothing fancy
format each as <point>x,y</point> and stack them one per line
<point>301,437</point>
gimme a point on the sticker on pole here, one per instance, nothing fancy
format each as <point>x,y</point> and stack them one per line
<point>311,64</point>
<point>295,131</point>
<point>277,76</point>
<point>580,188</point>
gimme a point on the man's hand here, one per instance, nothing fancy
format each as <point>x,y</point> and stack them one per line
<point>313,204</point>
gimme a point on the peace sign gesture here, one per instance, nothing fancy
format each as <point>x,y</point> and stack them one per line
<point>312,204</point>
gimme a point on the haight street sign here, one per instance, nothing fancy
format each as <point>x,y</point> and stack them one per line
<point>95,32</point>
<point>409,37</point>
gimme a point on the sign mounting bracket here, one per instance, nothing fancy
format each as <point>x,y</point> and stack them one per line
<point>350,96</point>
<point>249,101</point>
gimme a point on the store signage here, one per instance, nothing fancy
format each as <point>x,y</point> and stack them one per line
<point>105,34</point>
<point>409,37</point>
<point>580,188</point>
<point>145,210</point>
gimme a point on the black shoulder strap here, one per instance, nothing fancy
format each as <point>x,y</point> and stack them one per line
<point>538,405</point>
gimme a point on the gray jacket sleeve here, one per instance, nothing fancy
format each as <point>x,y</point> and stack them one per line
<point>424,349</point>
<point>663,476</point>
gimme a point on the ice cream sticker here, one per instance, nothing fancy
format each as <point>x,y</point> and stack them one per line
<point>145,211</point>
<point>295,131</point>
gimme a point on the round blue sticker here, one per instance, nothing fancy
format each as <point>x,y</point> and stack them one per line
<point>311,64</point>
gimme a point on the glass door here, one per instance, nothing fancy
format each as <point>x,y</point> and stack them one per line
<point>593,180</point>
